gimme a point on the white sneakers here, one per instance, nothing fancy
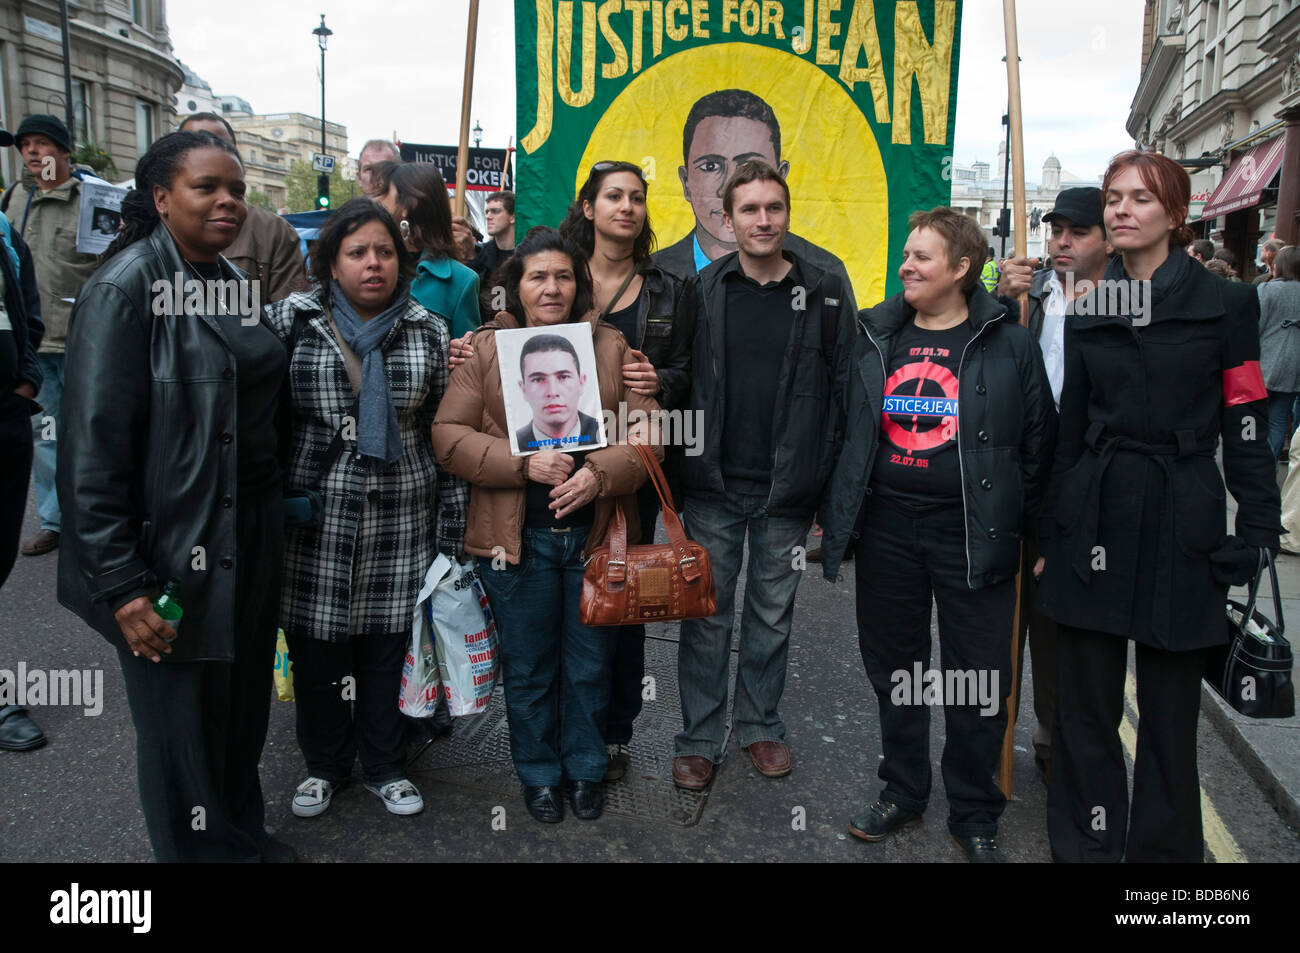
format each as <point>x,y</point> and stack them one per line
<point>313,797</point>
<point>400,796</point>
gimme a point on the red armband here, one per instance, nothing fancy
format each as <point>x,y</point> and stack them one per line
<point>1243,384</point>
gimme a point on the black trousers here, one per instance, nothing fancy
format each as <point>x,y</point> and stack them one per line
<point>346,703</point>
<point>902,563</point>
<point>16,448</point>
<point>625,696</point>
<point>200,726</point>
<point>1042,636</point>
<point>1089,817</point>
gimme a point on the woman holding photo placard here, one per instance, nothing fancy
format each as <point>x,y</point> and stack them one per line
<point>533,517</point>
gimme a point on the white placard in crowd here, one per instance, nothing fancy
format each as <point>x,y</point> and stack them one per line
<point>549,385</point>
<point>99,217</point>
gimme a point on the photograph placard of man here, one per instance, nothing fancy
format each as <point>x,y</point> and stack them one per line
<point>555,404</point>
<point>106,221</point>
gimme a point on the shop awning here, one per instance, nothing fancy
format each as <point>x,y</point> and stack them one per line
<point>1246,180</point>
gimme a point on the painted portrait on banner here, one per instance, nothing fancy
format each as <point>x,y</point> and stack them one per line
<point>852,100</point>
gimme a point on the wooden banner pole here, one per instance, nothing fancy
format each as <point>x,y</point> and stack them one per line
<point>466,95</point>
<point>1018,223</point>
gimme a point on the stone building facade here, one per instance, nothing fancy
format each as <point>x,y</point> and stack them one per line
<point>124,75</point>
<point>977,191</point>
<point>1220,93</point>
<point>269,144</point>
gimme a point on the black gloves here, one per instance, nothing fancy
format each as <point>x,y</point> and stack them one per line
<point>1235,562</point>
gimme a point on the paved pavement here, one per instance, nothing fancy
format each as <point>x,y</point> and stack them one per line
<point>76,799</point>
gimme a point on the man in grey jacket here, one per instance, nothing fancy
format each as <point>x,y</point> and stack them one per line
<point>773,334</point>
<point>43,208</point>
<point>20,380</point>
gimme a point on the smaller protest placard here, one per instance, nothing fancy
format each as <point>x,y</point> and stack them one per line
<point>553,401</point>
<point>99,216</point>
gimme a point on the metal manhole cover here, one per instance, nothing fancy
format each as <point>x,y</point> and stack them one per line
<point>477,753</point>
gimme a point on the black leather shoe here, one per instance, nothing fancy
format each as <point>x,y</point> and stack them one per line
<point>17,731</point>
<point>881,818</point>
<point>980,849</point>
<point>545,804</point>
<point>588,800</point>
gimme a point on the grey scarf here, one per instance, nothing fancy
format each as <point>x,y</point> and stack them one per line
<point>378,436</point>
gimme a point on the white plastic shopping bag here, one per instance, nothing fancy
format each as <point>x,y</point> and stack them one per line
<point>454,605</point>
<point>418,695</point>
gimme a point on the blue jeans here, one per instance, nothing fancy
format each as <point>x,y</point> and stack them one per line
<point>51,398</point>
<point>721,526</point>
<point>1279,409</point>
<point>556,670</point>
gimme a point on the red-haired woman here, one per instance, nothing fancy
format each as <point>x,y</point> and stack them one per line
<point>1162,362</point>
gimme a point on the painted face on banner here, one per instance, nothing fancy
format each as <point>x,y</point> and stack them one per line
<point>718,146</point>
<point>552,386</point>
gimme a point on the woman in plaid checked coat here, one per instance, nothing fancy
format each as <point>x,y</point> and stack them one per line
<point>367,368</point>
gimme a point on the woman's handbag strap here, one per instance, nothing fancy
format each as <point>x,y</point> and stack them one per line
<point>1265,559</point>
<point>672,523</point>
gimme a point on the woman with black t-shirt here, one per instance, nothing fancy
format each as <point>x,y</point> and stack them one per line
<point>950,421</point>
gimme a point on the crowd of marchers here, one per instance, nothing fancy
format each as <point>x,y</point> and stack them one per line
<point>952,453</point>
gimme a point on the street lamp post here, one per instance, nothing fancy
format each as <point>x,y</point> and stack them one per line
<point>322,34</point>
<point>478,134</point>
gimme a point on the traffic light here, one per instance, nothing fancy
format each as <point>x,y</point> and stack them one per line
<point>1003,226</point>
<point>322,191</point>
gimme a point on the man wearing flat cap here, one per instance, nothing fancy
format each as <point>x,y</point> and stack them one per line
<point>1078,253</point>
<point>20,381</point>
<point>42,207</point>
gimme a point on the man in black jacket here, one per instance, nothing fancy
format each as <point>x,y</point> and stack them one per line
<point>773,333</point>
<point>21,331</point>
<point>1078,253</point>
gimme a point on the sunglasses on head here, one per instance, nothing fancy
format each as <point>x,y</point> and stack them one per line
<point>623,166</point>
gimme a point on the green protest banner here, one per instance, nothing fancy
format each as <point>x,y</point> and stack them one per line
<point>854,100</point>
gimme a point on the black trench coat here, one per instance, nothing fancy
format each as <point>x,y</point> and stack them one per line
<point>1136,503</point>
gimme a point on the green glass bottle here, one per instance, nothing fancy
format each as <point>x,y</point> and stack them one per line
<point>168,605</point>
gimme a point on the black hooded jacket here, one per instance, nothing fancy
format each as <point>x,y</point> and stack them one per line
<point>1005,432</point>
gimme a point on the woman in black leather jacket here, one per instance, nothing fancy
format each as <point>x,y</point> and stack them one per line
<point>169,468</point>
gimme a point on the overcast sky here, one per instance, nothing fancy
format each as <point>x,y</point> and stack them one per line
<point>395,66</point>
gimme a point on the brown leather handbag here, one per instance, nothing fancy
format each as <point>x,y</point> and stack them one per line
<point>653,582</point>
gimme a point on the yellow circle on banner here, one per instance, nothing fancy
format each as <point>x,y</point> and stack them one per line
<point>839,197</point>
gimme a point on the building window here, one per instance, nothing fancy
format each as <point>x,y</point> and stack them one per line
<point>1214,36</point>
<point>140,13</point>
<point>252,155</point>
<point>143,127</point>
<point>81,111</point>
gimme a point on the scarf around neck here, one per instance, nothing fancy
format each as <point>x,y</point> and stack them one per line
<point>378,436</point>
